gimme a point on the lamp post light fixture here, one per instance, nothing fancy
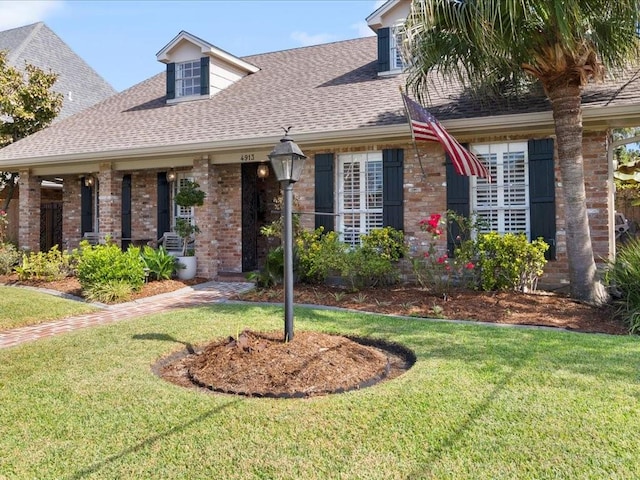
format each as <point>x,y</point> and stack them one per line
<point>287,161</point>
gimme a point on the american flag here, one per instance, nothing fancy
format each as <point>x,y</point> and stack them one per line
<point>424,126</point>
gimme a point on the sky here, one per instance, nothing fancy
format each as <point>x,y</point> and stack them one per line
<point>120,39</point>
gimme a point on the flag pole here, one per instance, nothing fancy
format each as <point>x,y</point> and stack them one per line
<point>413,137</point>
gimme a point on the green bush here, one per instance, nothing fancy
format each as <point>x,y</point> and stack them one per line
<point>111,291</point>
<point>623,277</point>
<point>103,263</point>
<point>9,258</point>
<point>273,271</point>
<point>159,263</point>
<point>317,254</point>
<point>506,261</point>
<point>362,268</point>
<point>386,242</point>
<point>51,265</point>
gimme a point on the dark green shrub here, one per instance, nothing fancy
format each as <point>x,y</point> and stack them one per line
<point>623,277</point>
<point>273,271</point>
<point>103,263</point>
<point>9,258</point>
<point>362,268</point>
<point>506,261</point>
<point>386,242</point>
<point>158,263</point>
<point>51,265</point>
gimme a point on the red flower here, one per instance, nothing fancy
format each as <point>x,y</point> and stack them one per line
<point>441,259</point>
<point>469,266</point>
<point>434,220</point>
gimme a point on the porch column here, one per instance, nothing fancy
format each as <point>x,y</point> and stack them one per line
<point>29,204</point>
<point>71,211</point>
<point>206,245</point>
<point>109,202</point>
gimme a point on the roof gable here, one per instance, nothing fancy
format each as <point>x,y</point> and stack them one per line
<point>390,13</point>
<point>186,41</point>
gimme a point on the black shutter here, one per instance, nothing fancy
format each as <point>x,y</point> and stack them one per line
<point>384,49</point>
<point>125,216</point>
<point>324,191</point>
<point>86,208</point>
<point>392,188</point>
<point>171,80</point>
<point>542,193</point>
<point>164,207</point>
<point>204,76</point>
<point>457,200</point>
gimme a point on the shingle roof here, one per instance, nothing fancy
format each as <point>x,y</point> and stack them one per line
<point>38,45</point>
<point>325,88</point>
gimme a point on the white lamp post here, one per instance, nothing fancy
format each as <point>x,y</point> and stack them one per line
<point>287,161</point>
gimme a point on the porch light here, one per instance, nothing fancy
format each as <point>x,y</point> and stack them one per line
<point>287,161</point>
<point>171,176</point>
<point>89,181</point>
<point>263,170</point>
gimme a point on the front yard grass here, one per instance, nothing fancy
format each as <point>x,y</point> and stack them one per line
<point>480,402</point>
<point>20,307</point>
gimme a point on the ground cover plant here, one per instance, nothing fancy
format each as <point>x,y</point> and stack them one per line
<point>480,402</point>
<point>20,307</point>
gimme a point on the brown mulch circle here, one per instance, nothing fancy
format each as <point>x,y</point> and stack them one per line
<point>262,364</point>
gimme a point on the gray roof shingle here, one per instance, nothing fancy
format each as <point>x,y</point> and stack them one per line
<point>38,45</point>
<point>319,89</point>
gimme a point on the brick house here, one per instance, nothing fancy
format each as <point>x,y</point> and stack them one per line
<point>81,87</point>
<point>213,117</point>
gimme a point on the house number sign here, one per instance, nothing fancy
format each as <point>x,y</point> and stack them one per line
<point>247,157</point>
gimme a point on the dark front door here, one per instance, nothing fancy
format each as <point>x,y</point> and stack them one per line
<point>50,226</point>
<point>249,217</point>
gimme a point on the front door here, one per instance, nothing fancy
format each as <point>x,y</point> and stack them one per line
<point>249,217</point>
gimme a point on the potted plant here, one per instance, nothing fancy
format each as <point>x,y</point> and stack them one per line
<point>188,196</point>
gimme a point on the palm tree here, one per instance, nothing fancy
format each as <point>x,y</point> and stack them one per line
<point>494,45</point>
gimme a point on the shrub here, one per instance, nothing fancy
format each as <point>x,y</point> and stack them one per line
<point>363,268</point>
<point>9,257</point>
<point>386,242</point>
<point>159,263</point>
<point>103,263</point>
<point>317,254</point>
<point>111,291</point>
<point>506,261</point>
<point>623,277</point>
<point>273,271</point>
<point>51,265</point>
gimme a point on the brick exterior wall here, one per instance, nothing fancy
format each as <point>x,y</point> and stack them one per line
<point>29,205</point>
<point>219,245</point>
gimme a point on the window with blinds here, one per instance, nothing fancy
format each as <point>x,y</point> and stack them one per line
<point>359,195</point>
<point>395,55</point>
<point>503,204</point>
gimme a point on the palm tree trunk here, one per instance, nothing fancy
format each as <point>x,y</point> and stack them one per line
<point>567,113</point>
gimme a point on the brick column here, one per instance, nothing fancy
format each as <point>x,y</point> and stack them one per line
<point>29,203</point>
<point>71,211</point>
<point>110,202</point>
<point>206,245</point>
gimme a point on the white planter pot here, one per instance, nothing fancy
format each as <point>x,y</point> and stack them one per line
<point>186,268</point>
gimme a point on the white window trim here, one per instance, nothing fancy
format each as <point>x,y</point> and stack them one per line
<point>500,187</point>
<point>394,54</point>
<point>178,79</point>
<point>364,213</point>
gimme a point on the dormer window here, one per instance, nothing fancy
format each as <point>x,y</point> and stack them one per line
<point>187,79</point>
<point>197,70</point>
<point>395,55</point>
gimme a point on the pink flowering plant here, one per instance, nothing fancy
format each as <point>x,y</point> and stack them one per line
<point>434,269</point>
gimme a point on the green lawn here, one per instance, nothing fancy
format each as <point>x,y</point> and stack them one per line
<point>481,402</point>
<point>19,307</point>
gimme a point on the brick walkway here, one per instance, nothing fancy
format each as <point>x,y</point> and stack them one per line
<point>211,292</point>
